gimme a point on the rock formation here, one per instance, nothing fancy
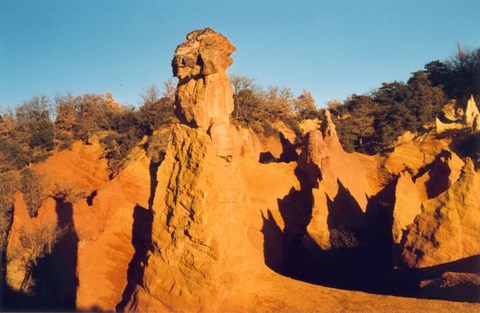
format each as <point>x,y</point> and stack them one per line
<point>88,269</point>
<point>211,228</point>
<point>408,201</point>
<point>454,117</point>
<point>447,228</point>
<point>476,124</point>
<point>199,199</point>
<point>471,112</point>
<point>204,93</point>
<point>207,240</point>
<point>329,170</point>
<point>451,112</point>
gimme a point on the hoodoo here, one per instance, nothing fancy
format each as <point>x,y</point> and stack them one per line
<point>198,228</point>
<point>204,94</point>
<point>228,229</point>
<point>208,215</point>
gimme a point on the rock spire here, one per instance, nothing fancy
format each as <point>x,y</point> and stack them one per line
<point>204,94</point>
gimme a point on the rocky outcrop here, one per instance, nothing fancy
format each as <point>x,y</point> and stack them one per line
<point>471,112</point>
<point>204,91</point>
<point>447,228</point>
<point>75,172</point>
<point>414,154</point>
<point>109,231</point>
<point>331,171</point>
<point>408,201</point>
<point>211,228</point>
<point>308,125</point>
<point>426,167</point>
<point>451,112</point>
<point>454,117</point>
<point>88,268</point>
<point>204,94</point>
<point>204,98</point>
<point>476,124</point>
<point>197,231</point>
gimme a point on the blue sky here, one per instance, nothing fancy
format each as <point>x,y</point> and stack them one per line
<point>331,48</point>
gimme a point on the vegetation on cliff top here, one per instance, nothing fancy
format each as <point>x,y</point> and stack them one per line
<point>367,123</point>
<point>370,123</point>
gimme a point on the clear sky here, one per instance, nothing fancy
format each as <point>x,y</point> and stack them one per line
<point>331,48</point>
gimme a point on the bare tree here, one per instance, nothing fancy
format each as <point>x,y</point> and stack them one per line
<point>34,245</point>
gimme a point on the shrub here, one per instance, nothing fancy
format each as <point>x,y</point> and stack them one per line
<point>155,115</point>
<point>157,145</point>
<point>65,141</point>
<point>117,147</point>
<point>34,245</point>
<point>32,189</point>
<point>43,137</point>
<point>13,156</point>
<point>342,237</point>
<point>8,186</point>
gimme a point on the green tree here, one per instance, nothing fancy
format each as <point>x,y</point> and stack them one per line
<point>423,101</point>
<point>155,115</point>
<point>43,136</point>
<point>354,120</point>
<point>458,76</point>
<point>13,156</point>
<point>247,100</point>
<point>8,186</point>
<point>258,108</point>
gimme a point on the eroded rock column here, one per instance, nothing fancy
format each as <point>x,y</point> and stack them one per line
<point>204,97</point>
<point>198,230</point>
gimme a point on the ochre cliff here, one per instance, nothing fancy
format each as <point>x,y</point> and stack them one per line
<point>224,221</point>
<point>447,228</point>
<point>211,227</point>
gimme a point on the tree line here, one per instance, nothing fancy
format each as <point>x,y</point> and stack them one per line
<point>370,123</point>
<point>366,123</point>
<point>31,131</point>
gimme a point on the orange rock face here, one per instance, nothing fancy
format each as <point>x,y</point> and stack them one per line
<point>447,228</point>
<point>217,227</point>
<point>204,92</point>
<point>223,222</point>
<point>97,247</point>
<point>333,174</point>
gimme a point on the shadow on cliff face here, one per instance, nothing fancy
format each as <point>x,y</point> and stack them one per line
<point>438,172</point>
<point>360,257</point>
<point>289,153</point>
<point>273,243</point>
<point>362,250</point>
<point>283,249</point>
<point>456,281</point>
<point>55,275</point>
<point>141,239</point>
<point>142,243</point>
